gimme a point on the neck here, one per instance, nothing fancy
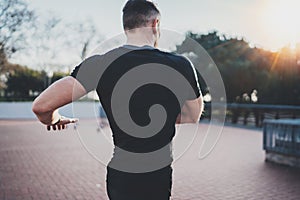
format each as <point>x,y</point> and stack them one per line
<point>140,39</point>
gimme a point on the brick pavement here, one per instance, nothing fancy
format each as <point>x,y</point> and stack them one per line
<point>35,164</point>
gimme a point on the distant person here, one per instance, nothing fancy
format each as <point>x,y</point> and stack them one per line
<point>141,20</point>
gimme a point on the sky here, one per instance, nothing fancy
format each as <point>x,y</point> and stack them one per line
<point>269,24</point>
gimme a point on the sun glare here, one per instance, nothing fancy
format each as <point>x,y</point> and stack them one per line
<point>282,22</point>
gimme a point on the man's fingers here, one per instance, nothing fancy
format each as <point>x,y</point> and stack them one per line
<point>73,120</point>
<point>56,127</point>
<point>68,121</point>
<point>62,124</point>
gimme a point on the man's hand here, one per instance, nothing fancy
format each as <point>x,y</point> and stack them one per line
<point>61,123</point>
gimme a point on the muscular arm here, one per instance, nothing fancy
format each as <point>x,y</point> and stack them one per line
<point>191,111</point>
<point>60,93</point>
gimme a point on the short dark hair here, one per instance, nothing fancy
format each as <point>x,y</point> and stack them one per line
<point>138,13</point>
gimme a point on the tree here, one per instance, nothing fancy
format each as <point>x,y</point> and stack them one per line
<point>275,76</point>
<point>14,15</point>
<point>57,75</point>
<point>58,45</point>
<point>24,83</point>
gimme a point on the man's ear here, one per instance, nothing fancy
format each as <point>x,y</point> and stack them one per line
<point>155,26</point>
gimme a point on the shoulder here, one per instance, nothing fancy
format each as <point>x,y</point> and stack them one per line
<point>92,59</point>
<point>180,59</point>
<point>101,56</point>
<point>184,63</point>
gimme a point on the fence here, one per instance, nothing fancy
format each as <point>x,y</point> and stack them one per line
<point>256,113</point>
<point>282,136</point>
<point>281,141</point>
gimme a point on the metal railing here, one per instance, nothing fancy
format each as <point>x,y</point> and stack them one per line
<point>256,113</point>
<point>282,136</point>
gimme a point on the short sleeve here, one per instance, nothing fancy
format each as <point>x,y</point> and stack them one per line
<point>88,73</point>
<point>193,74</point>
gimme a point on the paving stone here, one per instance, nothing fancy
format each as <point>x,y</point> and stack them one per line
<point>36,164</point>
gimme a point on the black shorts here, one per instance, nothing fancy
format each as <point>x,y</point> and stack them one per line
<point>139,186</point>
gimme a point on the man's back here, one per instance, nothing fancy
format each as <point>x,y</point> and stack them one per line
<point>142,156</point>
<point>148,73</point>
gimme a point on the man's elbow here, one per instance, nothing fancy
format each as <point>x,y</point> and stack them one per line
<point>35,108</point>
<point>38,108</point>
<point>195,120</point>
<point>197,113</point>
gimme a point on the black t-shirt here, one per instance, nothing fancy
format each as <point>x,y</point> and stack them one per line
<point>150,77</point>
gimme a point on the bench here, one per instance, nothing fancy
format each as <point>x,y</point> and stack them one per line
<point>281,141</point>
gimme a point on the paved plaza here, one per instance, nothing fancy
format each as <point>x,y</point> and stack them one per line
<point>36,164</point>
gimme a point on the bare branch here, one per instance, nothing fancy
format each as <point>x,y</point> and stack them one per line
<point>14,16</point>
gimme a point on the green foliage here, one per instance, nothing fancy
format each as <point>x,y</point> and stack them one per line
<point>276,76</point>
<point>24,83</point>
<point>57,75</point>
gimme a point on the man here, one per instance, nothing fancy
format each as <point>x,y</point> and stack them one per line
<point>130,178</point>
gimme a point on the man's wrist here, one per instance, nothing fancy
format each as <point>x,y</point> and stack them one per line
<point>56,117</point>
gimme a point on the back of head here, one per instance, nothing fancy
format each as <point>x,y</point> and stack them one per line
<point>139,13</point>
